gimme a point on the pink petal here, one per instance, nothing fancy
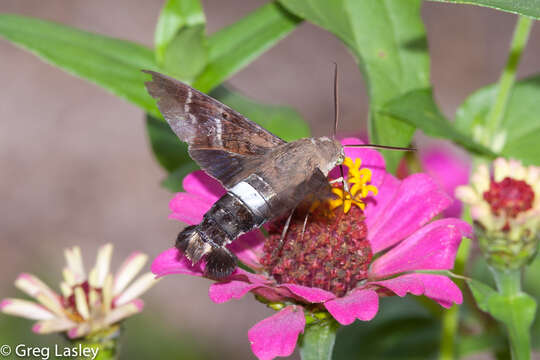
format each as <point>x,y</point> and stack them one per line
<point>201,184</point>
<point>402,285</point>
<point>360,304</point>
<point>376,205</point>
<point>371,159</point>
<point>277,335</point>
<point>249,248</point>
<point>240,283</point>
<point>417,200</point>
<point>172,261</point>
<point>309,294</point>
<point>437,287</point>
<point>188,208</point>
<point>441,289</point>
<point>449,169</point>
<point>223,292</point>
<point>433,247</point>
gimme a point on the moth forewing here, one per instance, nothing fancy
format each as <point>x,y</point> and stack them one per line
<point>265,176</point>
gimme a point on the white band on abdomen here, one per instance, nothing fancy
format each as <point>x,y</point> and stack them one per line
<point>251,198</point>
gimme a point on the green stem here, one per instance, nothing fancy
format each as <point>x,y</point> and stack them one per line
<point>509,285</point>
<point>507,79</point>
<point>450,318</point>
<point>318,340</point>
<point>104,344</point>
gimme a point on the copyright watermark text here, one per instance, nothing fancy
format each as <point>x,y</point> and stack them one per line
<point>24,351</point>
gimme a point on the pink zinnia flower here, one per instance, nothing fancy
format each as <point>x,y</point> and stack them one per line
<point>330,268</point>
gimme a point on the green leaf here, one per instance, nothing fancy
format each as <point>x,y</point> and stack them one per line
<point>282,121</point>
<point>402,329</point>
<point>169,151</point>
<point>111,63</point>
<point>389,42</point>
<point>187,54</point>
<point>318,340</point>
<point>529,8</point>
<point>419,109</point>
<point>520,123</point>
<point>175,15</point>
<point>235,46</point>
<point>173,181</point>
<point>517,312</point>
<point>531,285</point>
<point>482,293</point>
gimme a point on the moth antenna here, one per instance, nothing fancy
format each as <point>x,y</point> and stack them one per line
<point>386,147</point>
<point>336,100</point>
<point>336,120</point>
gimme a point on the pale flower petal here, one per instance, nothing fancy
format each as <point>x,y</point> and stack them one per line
<point>75,264</point>
<point>107,293</point>
<point>79,331</point>
<point>467,194</point>
<point>69,277</point>
<point>103,263</point>
<point>53,325</point>
<point>128,270</point>
<point>141,285</point>
<point>26,309</point>
<point>36,288</point>
<point>66,289</point>
<point>123,312</point>
<point>480,179</point>
<point>80,303</point>
<point>50,304</point>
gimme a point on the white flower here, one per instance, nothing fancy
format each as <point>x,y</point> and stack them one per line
<point>87,303</point>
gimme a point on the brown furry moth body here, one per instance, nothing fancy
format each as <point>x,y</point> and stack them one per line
<point>264,176</point>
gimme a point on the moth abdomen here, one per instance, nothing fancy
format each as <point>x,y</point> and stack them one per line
<point>227,219</point>
<point>190,242</point>
<point>220,263</point>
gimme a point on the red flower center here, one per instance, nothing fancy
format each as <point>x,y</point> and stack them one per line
<point>333,254</point>
<point>509,197</point>
<point>69,302</point>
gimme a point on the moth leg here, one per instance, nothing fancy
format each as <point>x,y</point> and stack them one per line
<point>304,226</point>
<point>339,179</point>
<point>285,228</point>
<point>284,231</point>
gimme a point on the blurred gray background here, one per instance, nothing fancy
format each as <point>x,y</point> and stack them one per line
<point>76,167</point>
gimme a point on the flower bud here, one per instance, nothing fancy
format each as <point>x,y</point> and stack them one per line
<point>505,208</point>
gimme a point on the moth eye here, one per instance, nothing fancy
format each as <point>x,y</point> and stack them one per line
<point>224,115</point>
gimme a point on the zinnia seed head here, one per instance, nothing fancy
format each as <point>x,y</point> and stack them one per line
<point>509,197</point>
<point>332,254</point>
